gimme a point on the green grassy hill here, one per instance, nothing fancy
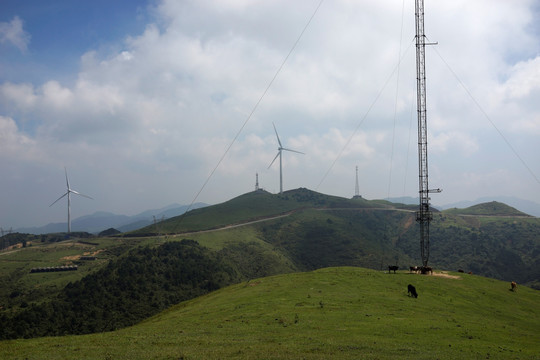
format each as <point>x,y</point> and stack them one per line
<point>331,313</point>
<point>260,234</point>
<point>493,208</point>
<point>252,206</point>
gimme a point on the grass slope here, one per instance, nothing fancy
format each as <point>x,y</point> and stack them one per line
<point>492,208</point>
<point>249,207</point>
<point>338,313</point>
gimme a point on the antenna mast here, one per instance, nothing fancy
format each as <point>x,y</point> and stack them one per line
<point>423,215</point>
<point>256,181</point>
<point>357,188</point>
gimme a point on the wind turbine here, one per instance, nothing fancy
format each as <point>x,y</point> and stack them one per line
<point>68,193</point>
<point>280,148</point>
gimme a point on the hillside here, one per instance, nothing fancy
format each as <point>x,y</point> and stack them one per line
<point>315,230</point>
<point>124,292</point>
<point>492,208</point>
<point>260,234</point>
<point>525,206</point>
<point>254,206</point>
<point>338,313</point>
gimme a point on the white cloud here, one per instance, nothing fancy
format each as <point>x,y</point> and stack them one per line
<point>524,79</point>
<point>453,142</point>
<point>19,96</point>
<point>56,96</point>
<point>14,144</point>
<point>13,33</point>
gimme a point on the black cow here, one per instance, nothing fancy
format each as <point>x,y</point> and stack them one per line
<point>392,268</point>
<point>412,291</point>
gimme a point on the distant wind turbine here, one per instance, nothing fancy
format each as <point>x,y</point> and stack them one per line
<point>68,193</point>
<point>280,148</point>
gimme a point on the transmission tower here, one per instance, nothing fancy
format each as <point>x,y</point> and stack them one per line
<point>256,181</point>
<point>423,215</point>
<point>356,187</point>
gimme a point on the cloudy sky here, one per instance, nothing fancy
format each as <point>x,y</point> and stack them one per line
<point>140,100</point>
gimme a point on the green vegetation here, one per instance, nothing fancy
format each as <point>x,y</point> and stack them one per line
<point>493,208</point>
<point>332,313</point>
<point>136,286</point>
<point>250,207</point>
<point>252,236</point>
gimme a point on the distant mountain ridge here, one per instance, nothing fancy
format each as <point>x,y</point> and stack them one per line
<point>102,220</point>
<point>525,206</point>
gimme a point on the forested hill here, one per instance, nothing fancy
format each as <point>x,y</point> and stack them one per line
<point>134,287</point>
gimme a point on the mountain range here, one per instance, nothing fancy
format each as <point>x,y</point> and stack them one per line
<point>103,220</point>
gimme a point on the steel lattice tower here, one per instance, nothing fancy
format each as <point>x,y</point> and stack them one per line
<point>356,188</point>
<point>423,215</point>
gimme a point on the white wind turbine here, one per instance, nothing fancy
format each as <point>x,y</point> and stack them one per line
<point>68,193</point>
<point>280,148</point>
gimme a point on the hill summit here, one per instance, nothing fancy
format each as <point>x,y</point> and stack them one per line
<point>493,208</point>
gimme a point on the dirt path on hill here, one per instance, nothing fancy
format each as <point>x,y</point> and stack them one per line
<point>444,274</point>
<point>232,226</point>
<point>274,217</point>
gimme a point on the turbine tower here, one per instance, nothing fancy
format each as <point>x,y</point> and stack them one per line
<point>68,193</point>
<point>423,215</point>
<point>280,149</point>
<point>357,188</point>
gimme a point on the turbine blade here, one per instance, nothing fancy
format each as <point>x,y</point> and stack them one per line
<point>274,159</point>
<point>67,180</point>
<point>299,152</point>
<point>78,193</point>
<point>58,199</point>
<point>279,141</point>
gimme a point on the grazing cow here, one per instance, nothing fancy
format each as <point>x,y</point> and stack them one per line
<point>414,269</point>
<point>426,269</point>
<point>513,284</point>
<point>461,271</point>
<point>412,291</point>
<point>392,268</point>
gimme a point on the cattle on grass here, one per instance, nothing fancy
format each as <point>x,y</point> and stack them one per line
<point>392,268</point>
<point>411,290</point>
<point>414,269</point>
<point>513,286</point>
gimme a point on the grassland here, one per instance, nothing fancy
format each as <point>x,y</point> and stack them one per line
<point>488,209</point>
<point>253,206</point>
<point>338,313</point>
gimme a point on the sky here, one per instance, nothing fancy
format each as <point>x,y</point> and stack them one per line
<point>141,100</point>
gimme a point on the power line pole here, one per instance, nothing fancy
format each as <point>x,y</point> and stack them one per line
<point>423,215</point>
